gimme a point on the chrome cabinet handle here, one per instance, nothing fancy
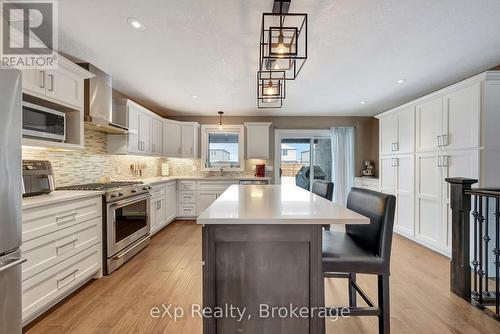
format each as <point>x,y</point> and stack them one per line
<point>51,82</point>
<point>440,161</point>
<point>444,161</point>
<point>42,79</point>
<point>68,243</point>
<point>70,274</point>
<point>444,140</point>
<point>14,263</point>
<point>439,141</point>
<point>71,216</point>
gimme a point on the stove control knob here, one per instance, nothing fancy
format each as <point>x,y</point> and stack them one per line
<point>113,195</point>
<point>120,194</point>
<point>146,188</point>
<point>133,191</point>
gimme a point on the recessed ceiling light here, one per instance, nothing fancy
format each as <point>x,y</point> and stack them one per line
<point>363,102</point>
<point>401,81</point>
<point>136,24</point>
<point>195,96</point>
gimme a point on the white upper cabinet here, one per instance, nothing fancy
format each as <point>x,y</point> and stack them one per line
<point>157,137</point>
<point>171,138</point>
<point>189,140</point>
<point>461,118</point>
<point>257,140</point>
<point>63,85</point>
<point>133,124</point>
<point>429,127</point>
<point>397,132</point>
<point>145,132</point>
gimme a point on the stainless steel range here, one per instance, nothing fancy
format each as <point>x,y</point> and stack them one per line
<point>127,219</point>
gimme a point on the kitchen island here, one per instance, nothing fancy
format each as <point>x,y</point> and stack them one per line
<point>262,254</point>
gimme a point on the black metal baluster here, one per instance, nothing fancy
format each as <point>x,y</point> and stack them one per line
<point>474,261</point>
<point>496,251</point>
<point>486,239</point>
<point>480,272</point>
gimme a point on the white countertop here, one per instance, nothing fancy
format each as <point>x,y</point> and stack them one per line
<point>57,196</point>
<point>275,204</point>
<point>162,179</point>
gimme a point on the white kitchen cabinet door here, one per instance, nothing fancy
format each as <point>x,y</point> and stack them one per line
<point>205,199</point>
<point>34,81</point>
<point>388,134</point>
<point>429,120</point>
<point>429,225</point>
<point>257,140</point>
<point>461,118</point>
<point>65,87</point>
<point>406,131</point>
<point>189,140</point>
<point>171,139</point>
<point>463,163</point>
<point>387,175</point>
<point>158,213</point>
<point>405,199</point>
<point>157,137</point>
<point>133,124</point>
<point>145,133</point>
<point>171,204</point>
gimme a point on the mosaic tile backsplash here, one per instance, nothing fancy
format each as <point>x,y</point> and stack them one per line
<point>89,166</point>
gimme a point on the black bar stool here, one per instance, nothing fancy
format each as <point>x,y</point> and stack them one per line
<point>363,249</point>
<point>325,190</point>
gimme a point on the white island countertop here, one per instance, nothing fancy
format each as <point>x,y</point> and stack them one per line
<point>276,204</point>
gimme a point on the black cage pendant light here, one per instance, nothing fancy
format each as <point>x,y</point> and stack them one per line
<point>270,93</point>
<point>283,42</point>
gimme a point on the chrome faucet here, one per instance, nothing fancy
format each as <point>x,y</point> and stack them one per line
<point>222,171</point>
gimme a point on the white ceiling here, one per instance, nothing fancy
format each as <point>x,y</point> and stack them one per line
<point>358,49</point>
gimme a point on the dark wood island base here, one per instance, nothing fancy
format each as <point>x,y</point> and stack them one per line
<point>267,271</point>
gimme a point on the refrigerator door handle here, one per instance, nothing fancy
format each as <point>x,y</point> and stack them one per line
<point>12,263</point>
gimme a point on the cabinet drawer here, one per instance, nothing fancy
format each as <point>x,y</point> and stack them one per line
<point>215,185</point>
<point>187,185</point>
<point>158,190</point>
<point>40,221</point>
<point>187,210</point>
<point>187,197</point>
<point>45,252</point>
<point>42,289</point>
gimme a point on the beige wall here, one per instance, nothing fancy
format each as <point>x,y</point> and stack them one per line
<point>366,130</point>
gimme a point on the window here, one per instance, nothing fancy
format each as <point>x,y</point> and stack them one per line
<point>285,152</point>
<point>222,148</point>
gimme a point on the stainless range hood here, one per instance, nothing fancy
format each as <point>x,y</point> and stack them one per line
<point>98,102</point>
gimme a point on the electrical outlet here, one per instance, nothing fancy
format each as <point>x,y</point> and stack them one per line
<point>194,168</point>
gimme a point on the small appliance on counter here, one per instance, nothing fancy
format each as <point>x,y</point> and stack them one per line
<point>260,170</point>
<point>38,178</point>
<point>165,169</point>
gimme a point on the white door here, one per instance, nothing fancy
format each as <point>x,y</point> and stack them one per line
<point>171,139</point>
<point>455,164</point>
<point>171,204</point>
<point>187,141</point>
<point>429,125</point>
<point>405,199</point>
<point>65,86</point>
<point>204,199</point>
<point>34,81</point>
<point>133,125</point>
<point>461,118</point>
<point>387,174</point>
<point>406,131</point>
<point>388,134</point>
<point>157,140</point>
<point>428,200</point>
<point>145,132</point>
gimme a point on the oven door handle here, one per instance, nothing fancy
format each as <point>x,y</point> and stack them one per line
<point>123,203</point>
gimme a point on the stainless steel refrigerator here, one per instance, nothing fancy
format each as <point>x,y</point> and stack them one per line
<point>10,201</point>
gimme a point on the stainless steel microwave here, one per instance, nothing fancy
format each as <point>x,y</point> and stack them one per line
<point>44,123</point>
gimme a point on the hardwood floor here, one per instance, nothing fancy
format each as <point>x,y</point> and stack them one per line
<point>169,271</point>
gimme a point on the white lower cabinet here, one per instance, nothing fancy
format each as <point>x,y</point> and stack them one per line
<point>62,243</point>
<point>432,203</point>
<point>163,207</point>
<point>396,178</point>
<point>204,199</point>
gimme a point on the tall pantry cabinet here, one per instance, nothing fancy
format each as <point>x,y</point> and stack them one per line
<point>452,133</point>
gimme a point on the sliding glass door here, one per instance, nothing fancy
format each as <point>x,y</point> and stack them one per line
<point>303,156</point>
